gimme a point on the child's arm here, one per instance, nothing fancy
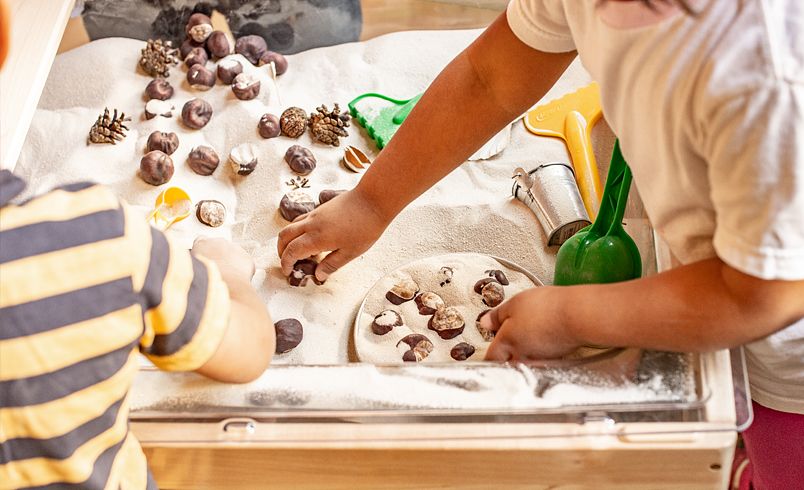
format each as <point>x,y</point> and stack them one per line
<point>249,341</point>
<point>703,306</point>
<point>488,85</point>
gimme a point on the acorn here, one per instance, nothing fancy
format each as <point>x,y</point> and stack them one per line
<point>200,78</point>
<point>218,44</point>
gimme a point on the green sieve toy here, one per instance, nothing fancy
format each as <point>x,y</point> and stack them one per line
<point>382,126</point>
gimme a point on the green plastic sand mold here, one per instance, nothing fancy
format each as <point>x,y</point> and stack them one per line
<point>383,126</point>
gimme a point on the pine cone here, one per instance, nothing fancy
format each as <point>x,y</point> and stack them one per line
<point>293,122</point>
<point>157,57</point>
<point>108,129</point>
<point>328,126</point>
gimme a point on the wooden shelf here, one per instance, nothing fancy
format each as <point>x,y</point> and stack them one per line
<point>36,30</point>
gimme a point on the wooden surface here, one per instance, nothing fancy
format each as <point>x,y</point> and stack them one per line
<point>36,30</point>
<point>384,16</point>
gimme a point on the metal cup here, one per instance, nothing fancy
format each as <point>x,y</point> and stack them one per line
<point>550,191</point>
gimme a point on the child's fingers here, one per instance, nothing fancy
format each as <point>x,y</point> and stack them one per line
<point>493,320</point>
<point>300,248</point>
<point>288,234</point>
<point>500,349</point>
<point>332,262</point>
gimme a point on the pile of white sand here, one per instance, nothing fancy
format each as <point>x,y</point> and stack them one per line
<point>470,210</point>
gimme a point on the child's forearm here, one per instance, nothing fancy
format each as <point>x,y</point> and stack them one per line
<point>699,307</point>
<point>492,82</point>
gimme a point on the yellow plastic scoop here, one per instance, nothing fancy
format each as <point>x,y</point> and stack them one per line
<point>172,205</point>
<point>571,118</point>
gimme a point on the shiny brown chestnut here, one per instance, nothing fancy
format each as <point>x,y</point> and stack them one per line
<point>199,27</point>
<point>245,86</point>
<point>196,113</point>
<point>289,334</point>
<point>279,61</point>
<point>203,160</point>
<point>159,89</point>
<point>295,203</point>
<point>218,44</point>
<point>167,143</point>
<point>156,168</point>
<point>228,69</point>
<point>252,47</point>
<point>447,322</point>
<point>268,127</point>
<point>300,159</point>
<point>196,56</point>
<point>200,78</point>
<point>386,321</point>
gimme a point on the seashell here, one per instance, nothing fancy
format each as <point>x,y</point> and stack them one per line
<point>355,160</point>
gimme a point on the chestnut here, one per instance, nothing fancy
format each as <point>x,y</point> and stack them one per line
<point>196,56</point>
<point>385,322</point>
<point>487,335</point>
<point>303,270</point>
<point>246,87</point>
<point>404,290</point>
<point>156,107</point>
<point>243,159</point>
<point>156,168</point>
<point>203,160</point>
<point>196,113</point>
<point>428,303</point>
<point>199,27</point>
<point>159,89</point>
<point>218,44</point>
<point>498,276</point>
<point>228,69</point>
<point>294,204</point>
<point>447,322</point>
<point>289,334</point>
<point>279,61</point>
<point>418,347</point>
<point>252,47</point>
<point>200,78</point>
<point>328,195</point>
<point>167,143</point>
<point>493,294</point>
<point>300,159</point>
<point>188,46</point>
<point>462,351</point>
<point>268,127</point>
<point>482,282</point>
<point>210,212</point>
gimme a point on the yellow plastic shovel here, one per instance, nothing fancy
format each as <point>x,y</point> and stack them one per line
<point>172,205</point>
<point>571,118</point>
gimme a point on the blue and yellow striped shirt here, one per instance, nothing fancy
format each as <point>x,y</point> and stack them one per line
<point>85,284</point>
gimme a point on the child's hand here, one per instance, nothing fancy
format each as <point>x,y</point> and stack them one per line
<point>528,326</point>
<point>347,226</point>
<point>231,259</point>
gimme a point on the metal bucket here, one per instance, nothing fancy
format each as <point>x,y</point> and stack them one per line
<point>550,191</point>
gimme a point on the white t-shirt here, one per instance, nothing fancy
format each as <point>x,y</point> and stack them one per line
<point>710,114</point>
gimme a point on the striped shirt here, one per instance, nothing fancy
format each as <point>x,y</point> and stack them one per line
<point>85,285</point>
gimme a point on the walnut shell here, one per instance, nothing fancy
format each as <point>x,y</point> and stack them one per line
<point>300,159</point>
<point>156,168</point>
<point>167,143</point>
<point>289,334</point>
<point>203,160</point>
<point>293,122</point>
<point>196,113</point>
<point>295,203</point>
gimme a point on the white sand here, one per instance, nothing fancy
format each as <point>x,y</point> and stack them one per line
<point>471,210</point>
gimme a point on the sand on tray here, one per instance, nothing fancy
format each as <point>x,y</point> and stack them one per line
<point>469,211</point>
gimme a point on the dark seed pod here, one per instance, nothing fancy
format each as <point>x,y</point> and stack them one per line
<point>159,89</point>
<point>196,113</point>
<point>295,203</point>
<point>228,69</point>
<point>203,160</point>
<point>289,334</point>
<point>245,87</point>
<point>447,322</point>
<point>268,127</point>
<point>405,290</point>
<point>418,346</point>
<point>218,44</point>
<point>303,270</point>
<point>200,78</point>
<point>300,159</point>
<point>251,47</point>
<point>385,322</point>
<point>428,303</point>
<point>279,61</point>
<point>210,212</point>
<point>327,195</point>
<point>156,168</point>
<point>462,351</point>
<point>167,143</point>
<point>498,276</point>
